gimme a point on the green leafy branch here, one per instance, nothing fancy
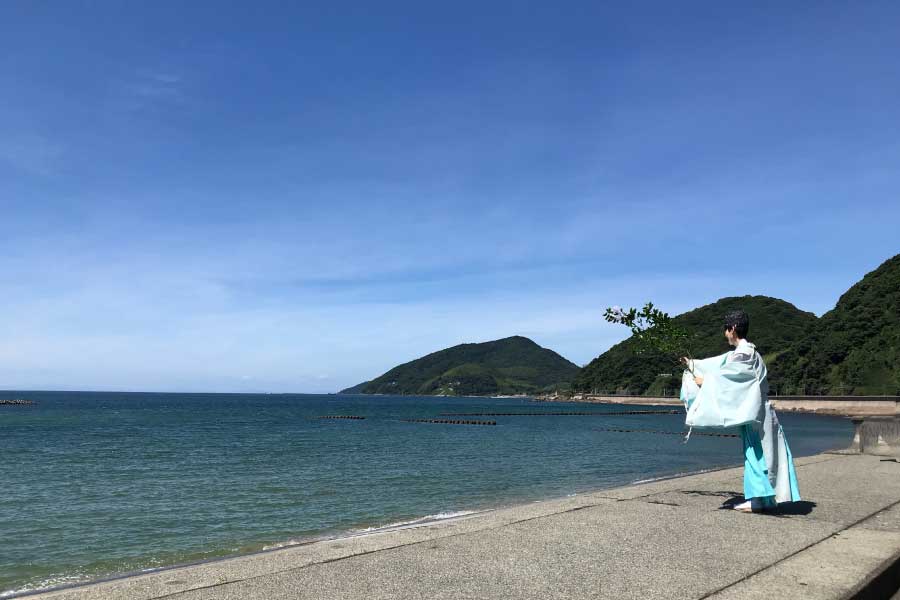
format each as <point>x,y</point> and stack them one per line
<point>653,330</point>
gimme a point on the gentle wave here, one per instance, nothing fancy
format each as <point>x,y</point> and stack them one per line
<point>46,584</point>
<point>674,476</point>
<point>426,520</point>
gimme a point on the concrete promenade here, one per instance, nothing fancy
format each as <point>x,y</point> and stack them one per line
<point>664,539</point>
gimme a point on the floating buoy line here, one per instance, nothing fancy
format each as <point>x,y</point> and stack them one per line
<point>656,431</point>
<point>354,417</point>
<point>568,414</point>
<point>553,414</point>
<point>448,422</point>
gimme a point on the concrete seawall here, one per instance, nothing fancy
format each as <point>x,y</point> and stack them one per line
<point>671,539</point>
<point>840,405</point>
<point>832,405</point>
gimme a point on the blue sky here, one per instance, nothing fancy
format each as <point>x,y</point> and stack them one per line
<point>296,197</point>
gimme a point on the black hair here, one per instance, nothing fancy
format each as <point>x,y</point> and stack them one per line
<point>740,321</point>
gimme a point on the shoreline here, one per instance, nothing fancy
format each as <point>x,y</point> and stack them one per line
<point>425,521</point>
<point>357,528</point>
<point>598,544</point>
<point>268,549</point>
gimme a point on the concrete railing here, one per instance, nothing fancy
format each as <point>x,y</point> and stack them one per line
<point>877,435</point>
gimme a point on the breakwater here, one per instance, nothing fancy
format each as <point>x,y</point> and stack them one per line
<point>17,402</point>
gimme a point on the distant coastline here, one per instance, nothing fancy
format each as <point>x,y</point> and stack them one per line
<point>844,406</point>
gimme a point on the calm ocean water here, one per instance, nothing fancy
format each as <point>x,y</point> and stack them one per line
<point>98,484</point>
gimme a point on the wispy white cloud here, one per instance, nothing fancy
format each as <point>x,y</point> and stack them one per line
<point>31,153</point>
<point>165,326</point>
<point>147,89</point>
<point>162,77</point>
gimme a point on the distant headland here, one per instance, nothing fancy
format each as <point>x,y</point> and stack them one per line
<point>852,350</point>
<point>512,366</point>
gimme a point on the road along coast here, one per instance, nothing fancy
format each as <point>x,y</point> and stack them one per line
<point>671,538</point>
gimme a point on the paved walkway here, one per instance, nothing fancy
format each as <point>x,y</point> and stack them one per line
<point>666,539</point>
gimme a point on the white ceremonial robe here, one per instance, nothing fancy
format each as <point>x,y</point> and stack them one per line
<point>735,394</point>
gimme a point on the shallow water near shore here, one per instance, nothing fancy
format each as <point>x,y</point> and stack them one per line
<point>98,484</point>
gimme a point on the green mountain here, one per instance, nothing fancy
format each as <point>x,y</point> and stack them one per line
<point>513,365</point>
<point>854,348</point>
<point>774,326</point>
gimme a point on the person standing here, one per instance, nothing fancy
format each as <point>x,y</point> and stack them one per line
<point>731,390</point>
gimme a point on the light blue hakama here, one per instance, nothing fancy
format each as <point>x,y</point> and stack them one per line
<point>735,394</point>
<point>756,474</point>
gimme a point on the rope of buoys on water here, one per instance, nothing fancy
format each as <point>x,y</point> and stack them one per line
<point>354,417</point>
<point>448,422</point>
<point>681,433</point>
<point>569,414</point>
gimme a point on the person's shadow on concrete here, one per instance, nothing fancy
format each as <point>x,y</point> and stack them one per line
<point>785,509</point>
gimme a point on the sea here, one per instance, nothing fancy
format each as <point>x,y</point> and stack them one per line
<point>97,485</point>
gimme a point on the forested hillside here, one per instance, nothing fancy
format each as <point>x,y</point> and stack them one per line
<point>514,365</point>
<point>774,326</point>
<point>854,348</point>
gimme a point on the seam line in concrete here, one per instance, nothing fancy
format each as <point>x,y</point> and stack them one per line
<point>340,558</point>
<point>804,549</point>
<point>497,527</point>
<point>836,457</point>
<point>332,560</point>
